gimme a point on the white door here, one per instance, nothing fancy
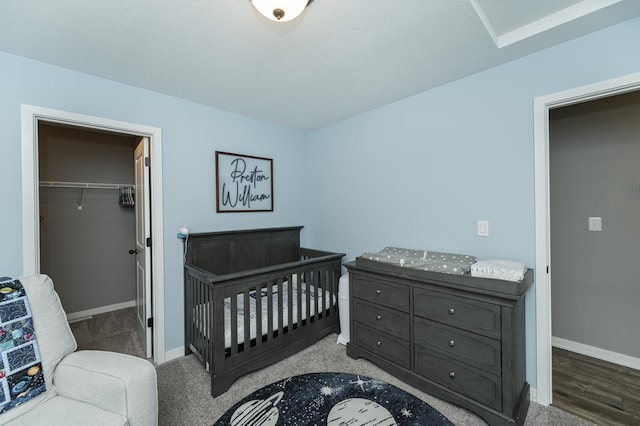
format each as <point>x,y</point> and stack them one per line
<point>143,247</point>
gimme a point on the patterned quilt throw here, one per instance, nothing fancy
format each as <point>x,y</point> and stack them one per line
<point>21,376</point>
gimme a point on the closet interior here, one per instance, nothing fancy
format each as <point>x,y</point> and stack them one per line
<point>87,231</point>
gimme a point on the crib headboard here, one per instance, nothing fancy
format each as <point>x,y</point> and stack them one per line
<point>234,251</point>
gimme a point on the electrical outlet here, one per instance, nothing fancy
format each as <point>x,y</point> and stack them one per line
<point>595,224</point>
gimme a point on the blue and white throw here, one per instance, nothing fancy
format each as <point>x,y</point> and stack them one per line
<point>21,376</point>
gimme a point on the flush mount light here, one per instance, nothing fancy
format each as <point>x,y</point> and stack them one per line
<point>280,10</point>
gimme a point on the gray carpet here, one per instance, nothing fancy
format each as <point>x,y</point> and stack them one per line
<point>184,385</point>
<point>112,331</point>
<point>185,398</point>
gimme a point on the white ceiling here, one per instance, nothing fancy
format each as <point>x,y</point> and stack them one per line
<point>339,59</point>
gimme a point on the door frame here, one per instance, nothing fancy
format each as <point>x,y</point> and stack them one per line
<point>30,117</point>
<point>542,105</point>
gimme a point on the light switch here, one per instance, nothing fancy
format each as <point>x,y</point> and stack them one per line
<point>595,224</point>
<point>483,228</point>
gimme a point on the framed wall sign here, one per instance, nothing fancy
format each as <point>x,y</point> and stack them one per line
<point>243,183</point>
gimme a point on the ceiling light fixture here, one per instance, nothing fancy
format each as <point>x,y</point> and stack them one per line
<point>281,10</point>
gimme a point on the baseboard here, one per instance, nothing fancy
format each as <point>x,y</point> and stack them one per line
<point>173,354</point>
<point>593,352</point>
<point>76,316</point>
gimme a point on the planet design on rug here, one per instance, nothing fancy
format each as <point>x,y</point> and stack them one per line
<point>332,399</point>
<point>367,413</point>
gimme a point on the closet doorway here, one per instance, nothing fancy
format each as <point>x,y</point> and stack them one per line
<point>53,193</point>
<point>93,229</point>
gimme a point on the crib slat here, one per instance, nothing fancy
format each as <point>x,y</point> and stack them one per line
<point>316,290</point>
<point>203,345</point>
<point>247,317</point>
<point>234,324</point>
<point>289,284</point>
<point>280,314</point>
<point>300,285</point>
<point>309,279</point>
<point>326,292</point>
<point>321,293</point>
<point>258,318</point>
<point>269,312</point>
<point>329,293</point>
<point>198,337</point>
<point>215,299</point>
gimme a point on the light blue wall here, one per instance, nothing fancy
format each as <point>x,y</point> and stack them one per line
<point>190,135</point>
<point>419,173</point>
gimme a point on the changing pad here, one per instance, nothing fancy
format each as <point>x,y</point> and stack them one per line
<point>448,263</point>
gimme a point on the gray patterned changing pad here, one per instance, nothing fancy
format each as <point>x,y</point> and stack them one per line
<point>448,263</point>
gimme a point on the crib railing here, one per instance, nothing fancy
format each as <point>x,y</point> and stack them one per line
<point>310,285</point>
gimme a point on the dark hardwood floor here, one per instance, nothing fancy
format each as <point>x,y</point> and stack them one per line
<point>599,391</point>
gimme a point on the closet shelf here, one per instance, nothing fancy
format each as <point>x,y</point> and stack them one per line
<point>83,185</point>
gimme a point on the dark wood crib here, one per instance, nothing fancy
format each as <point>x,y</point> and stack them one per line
<point>290,292</point>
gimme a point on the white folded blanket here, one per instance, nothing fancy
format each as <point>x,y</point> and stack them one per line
<point>499,269</point>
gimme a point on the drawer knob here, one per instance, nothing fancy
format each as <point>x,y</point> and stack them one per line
<point>379,343</point>
<point>378,292</point>
<point>452,311</point>
<point>452,343</point>
<point>378,317</point>
<point>452,374</point>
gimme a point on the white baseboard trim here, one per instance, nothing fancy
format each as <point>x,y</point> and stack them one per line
<point>593,352</point>
<point>174,353</point>
<point>76,316</point>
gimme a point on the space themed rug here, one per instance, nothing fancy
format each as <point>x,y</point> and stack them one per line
<point>332,399</point>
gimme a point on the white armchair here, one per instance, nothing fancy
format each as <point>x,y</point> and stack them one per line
<point>84,387</point>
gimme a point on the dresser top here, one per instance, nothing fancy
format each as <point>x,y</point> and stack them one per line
<point>501,288</point>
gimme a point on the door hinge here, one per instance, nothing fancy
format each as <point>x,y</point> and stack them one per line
<point>149,242</point>
<point>150,322</point>
<point>146,161</point>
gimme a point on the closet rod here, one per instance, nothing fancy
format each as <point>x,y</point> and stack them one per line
<point>89,185</point>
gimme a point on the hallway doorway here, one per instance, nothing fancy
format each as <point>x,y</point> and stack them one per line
<point>542,107</point>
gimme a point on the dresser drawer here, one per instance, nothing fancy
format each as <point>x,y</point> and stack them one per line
<point>472,349</point>
<point>382,344</point>
<point>388,320</point>
<point>381,292</point>
<point>472,315</point>
<point>484,388</point>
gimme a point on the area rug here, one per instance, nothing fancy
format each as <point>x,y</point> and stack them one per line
<point>332,399</point>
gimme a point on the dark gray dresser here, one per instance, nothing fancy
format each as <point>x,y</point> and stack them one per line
<point>456,337</point>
